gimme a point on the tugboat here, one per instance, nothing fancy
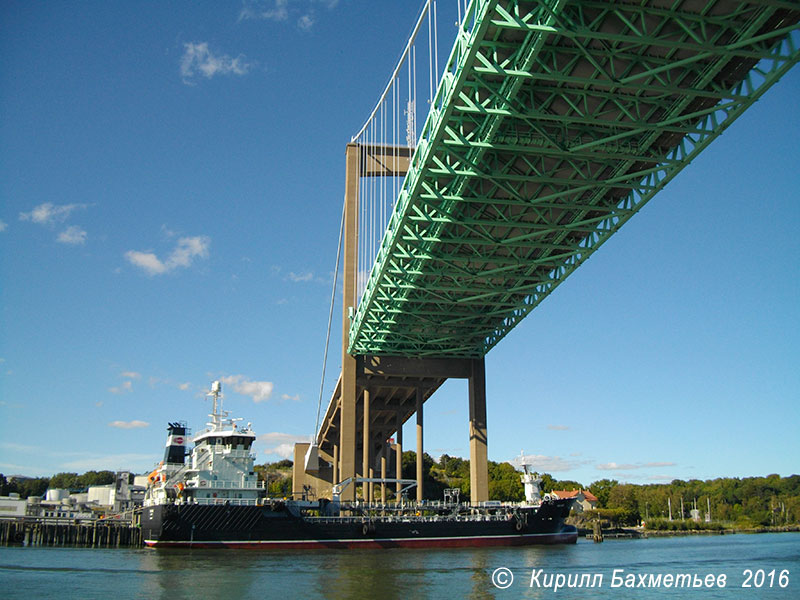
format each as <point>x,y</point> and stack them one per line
<point>215,500</point>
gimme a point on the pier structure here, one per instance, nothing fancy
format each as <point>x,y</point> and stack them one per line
<point>551,124</point>
<point>94,533</point>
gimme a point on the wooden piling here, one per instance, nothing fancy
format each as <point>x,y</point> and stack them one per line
<point>43,532</point>
<point>598,532</point>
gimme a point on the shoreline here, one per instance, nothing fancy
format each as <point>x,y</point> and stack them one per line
<point>643,533</point>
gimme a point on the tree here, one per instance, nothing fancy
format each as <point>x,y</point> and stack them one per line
<point>64,481</point>
<point>602,489</point>
<point>432,488</point>
<point>504,482</point>
<point>624,498</point>
<point>567,485</point>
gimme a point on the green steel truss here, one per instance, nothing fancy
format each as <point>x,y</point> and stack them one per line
<point>554,123</point>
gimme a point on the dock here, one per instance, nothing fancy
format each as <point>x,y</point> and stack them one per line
<point>96,533</point>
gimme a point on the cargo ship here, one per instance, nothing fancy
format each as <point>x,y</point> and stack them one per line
<point>211,498</point>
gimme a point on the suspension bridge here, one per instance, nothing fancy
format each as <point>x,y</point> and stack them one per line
<point>549,125</point>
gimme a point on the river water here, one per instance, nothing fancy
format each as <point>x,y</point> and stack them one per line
<point>769,563</point>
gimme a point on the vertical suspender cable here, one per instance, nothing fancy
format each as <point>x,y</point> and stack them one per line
<point>435,52</point>
<point>430,58</point>
<point>411,39</point>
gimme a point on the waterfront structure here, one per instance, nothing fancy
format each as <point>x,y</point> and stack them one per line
<point>12,506</point>
<point>584,499</point>
<point>96,502</point>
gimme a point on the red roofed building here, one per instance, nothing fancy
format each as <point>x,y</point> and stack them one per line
<point>584,499</point>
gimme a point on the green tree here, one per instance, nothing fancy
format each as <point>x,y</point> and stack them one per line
<point>505,483</point>
<point>66,481</point>
<point>602,490</point>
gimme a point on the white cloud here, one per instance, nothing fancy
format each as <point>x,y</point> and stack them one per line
<point>259,391</point>
<point>124,388</point>
<point>279,10</point>
<point>3,225</point>
<point>73,235</point>
<point>129,424</point>
<point>276,10</point>
<point>147,261</point>
<point>111,462</point>
<point>198,60</point>
<point>184,386</point>
<point>14,447</point>
<point>50,214</point>
<point>185,251</point>
<point>281,444</point>
<point>130,374</point>
<point>306,22</point>
<point>558,427</point>
<point>542,463</point>
<point>612,466</point>
<point>298,277</point>
<point>295,398</point>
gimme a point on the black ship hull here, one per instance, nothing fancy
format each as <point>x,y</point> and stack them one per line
<point>281,527</point>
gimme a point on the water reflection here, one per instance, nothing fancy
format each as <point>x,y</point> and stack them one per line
<point>86,573</point>
<point>179,573</point>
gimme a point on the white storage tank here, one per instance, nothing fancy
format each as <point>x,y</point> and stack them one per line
<point>103,495</point>
<point>56,494</point>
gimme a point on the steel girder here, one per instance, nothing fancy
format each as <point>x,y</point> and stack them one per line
<point>554,123</point>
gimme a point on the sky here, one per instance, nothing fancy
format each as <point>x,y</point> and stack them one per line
<point>171,179</point>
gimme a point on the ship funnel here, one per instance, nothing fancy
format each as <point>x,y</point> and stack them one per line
<point>175,452</point>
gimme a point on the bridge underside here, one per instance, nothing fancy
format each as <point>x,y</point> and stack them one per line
<point>554,123</point>
<point>393,397</point>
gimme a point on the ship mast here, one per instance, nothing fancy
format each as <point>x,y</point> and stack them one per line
<point>217,414</point>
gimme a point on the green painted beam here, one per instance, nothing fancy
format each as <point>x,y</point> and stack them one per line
<point>554,123</point>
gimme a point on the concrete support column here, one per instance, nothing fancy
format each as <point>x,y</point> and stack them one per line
<point>478,441</point>
<point>383,473</point>
<point>419,445</point>
<point>335,464</point>
<point>365,465</point>
<point>398,457</point>
<point>347,416</point>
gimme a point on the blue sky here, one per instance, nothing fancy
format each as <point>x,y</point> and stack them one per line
<point>171,179</point>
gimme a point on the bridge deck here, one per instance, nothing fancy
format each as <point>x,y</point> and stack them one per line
<point>554,123</point>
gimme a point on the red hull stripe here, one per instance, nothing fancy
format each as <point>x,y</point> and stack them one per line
<point>437,542</point>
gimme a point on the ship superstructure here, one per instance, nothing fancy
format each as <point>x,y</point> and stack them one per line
<point>219,469</point>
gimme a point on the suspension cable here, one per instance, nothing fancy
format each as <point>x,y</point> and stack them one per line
<point>330,319</point>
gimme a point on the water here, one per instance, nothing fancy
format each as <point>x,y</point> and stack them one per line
<point>86,573</point>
